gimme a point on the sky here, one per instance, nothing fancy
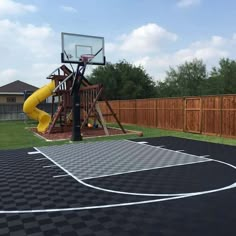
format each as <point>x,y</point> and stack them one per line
<point>154,34</point>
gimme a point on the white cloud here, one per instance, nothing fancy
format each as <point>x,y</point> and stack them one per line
<point>146,39</point>
<point>156,60</point>
<point>36,39</point>
<point>218,41</point>
<point>10,7</point>
<point>28,39</point>
<point>216,47</point>
<point>188,3</point>
<point>41,70</point>
<point>8,75</point>
<point>69,9</point>
<point>31,52</point>
<point>209,51</point>
<point>111,47</point>
<point>142,61</point>
<point>23,46</point>
<point>214,41</point>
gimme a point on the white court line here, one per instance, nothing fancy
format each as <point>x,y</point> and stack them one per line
<point>146,169</point>
<point>33,153</point>
<point>91,207</point>
<point>206,156</point>
<point>103,189</point>
<point>39,159</point>
<point>49,166</point>
<point>126,193</point>
<point>115,205</point>
<point>142,142</point>
<point>155,194</point>
<point>59,176</point>
<point>161,147</point>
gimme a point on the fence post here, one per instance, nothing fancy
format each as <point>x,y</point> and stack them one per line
<point>119,110</point>
<point>156,110</point>
<point>184,113</point>
<point>221,114</point>
<point>201,115</point>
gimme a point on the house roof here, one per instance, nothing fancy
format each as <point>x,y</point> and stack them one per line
<point>17,87</point>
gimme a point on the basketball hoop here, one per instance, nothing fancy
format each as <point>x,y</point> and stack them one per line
<point>85,58</point>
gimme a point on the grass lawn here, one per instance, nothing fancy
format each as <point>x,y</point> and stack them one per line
<point>14,134</point>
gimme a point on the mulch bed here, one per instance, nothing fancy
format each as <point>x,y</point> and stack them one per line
<point>59,134</point>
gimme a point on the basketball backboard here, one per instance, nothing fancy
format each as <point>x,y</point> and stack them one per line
<point>76,46</point>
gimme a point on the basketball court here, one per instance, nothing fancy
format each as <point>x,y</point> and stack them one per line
<point>154,186</point>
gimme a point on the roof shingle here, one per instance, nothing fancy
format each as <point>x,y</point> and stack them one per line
<point>17,87</point>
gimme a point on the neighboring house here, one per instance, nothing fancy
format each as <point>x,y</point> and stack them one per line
<point>15,92</point>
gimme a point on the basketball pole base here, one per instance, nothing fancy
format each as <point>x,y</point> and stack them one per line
<point>75,135</point>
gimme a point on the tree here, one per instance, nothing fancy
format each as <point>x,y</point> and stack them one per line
<point>168,88</point>
<point>185,80</point>
<point>124,81</point>
<point>213,86</point>
<point>223,79</point>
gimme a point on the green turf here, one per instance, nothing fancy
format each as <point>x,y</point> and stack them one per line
<point>15,134</point>
<point>153,132</point>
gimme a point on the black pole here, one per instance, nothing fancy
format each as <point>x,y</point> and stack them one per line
<point>79,75</point>
<point>76,131</point>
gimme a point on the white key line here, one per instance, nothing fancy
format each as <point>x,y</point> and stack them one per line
<point>147,169</point>
<point>59,176</point>
<point>205,156</point>
<point>33,153</point>
<point>170,150</point>
<point>49,166</point>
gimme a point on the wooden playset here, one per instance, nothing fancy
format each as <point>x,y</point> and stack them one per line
<point>89,107</point>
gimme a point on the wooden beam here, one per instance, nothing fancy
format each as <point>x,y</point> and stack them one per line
<point>101,118</point>
<point>114,115</point>
<point>55,118</point>
<point>92,108</point>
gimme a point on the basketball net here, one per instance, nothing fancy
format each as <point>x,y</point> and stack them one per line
<point>86,58</point>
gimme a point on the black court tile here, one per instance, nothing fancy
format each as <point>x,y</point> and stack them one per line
<point>26,185</point>
<point>216,151</point>
<point>188,178</point>
<point>206,215</point>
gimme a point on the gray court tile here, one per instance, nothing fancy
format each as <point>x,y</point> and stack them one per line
<point>88,160</point>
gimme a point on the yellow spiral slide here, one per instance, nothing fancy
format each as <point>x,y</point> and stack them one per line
<point>33,112</point>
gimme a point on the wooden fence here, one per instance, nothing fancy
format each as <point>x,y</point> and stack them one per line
<point>212,115</point>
